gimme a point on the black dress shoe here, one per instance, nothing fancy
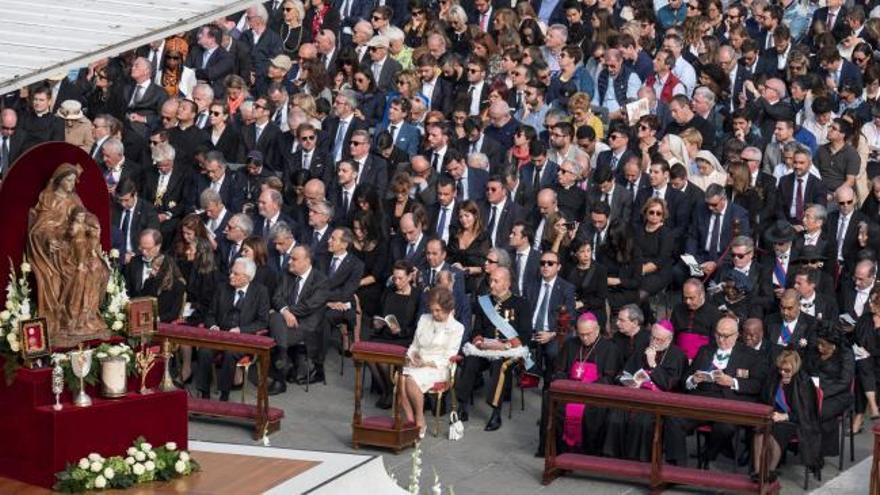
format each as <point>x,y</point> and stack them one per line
<point>316,375</point>
<point>494,421</point>
<point>277,387</point>
<point>224,396</point>
<point>291,376</point>
<point>204,395</point>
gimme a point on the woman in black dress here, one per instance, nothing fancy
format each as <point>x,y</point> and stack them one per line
<point>224,137</point>
<point>469,245</point>
<point>292,30</point>
<point>590,280</point>
<point>740,192</point>
<point>624,263</point>
<point>366,199</point>
<point>656,243</point>
<point>371,101</point>
<point>371,248</point>
<point>400,300</point>
<point>400,203</point>
<point>194,252</point>
<point>834,365</point>
<point>167,285</point>
<point>321,15</point>
<point>865,342</point>
<point>795,413</point>
<point>254,248</point>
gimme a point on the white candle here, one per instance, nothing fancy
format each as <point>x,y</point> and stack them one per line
<point>113,375</point>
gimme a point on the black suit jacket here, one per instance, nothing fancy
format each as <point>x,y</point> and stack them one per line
<point>562,294</point>
<point>266,47</point>
<point>701,225</point>
<point>374,170</point>
<point>527,178</point>
<point>489,147</point>
<point>814,193</point>
<point>504,220</point>
<point>320,252</point>
<point>220,64</point>
<point>143,217</point>
<point>134,278</point>
<point>451,219</point>
<point>344,282</point>
<point>251,314</point>
<point>443,96</point>
<point>850,238</point>
<point>173,200</point>
<point>399,246</point>
<point>531,274</point>
<point>802,340</point>
<point>331,125</point>
<point>149,106</point>
<point>231,191</point>
<point>748,367</point>
<point>16,146</point>
<point>320,166</point>
<point>604,160</point>
<point>265,145</point>
<point>679,211</point>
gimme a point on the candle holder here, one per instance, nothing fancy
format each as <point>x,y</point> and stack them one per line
<point>145,360</point>
<point>167,384</point>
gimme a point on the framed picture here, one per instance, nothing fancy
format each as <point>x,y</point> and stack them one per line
<point>34,339</point>
<point>143,315</point>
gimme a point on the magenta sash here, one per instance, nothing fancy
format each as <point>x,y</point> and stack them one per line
<point>690,343</point>
<point>572,432</point>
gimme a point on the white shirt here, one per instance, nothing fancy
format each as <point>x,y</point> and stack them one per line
<point>808,305</point>
<point>474,103</point>
<point>861,299</point>
<point>720,229</point>
<point>428,90</point>
<point>791,326</point>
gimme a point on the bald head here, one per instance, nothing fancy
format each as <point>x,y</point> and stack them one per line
<point>499,110</point>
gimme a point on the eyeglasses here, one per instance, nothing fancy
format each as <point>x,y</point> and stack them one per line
<point>859,60</point>
<point>566,171</point>
<point>726,335</point>
<point>740,256</point>
<point>547,263</point>
<point>655,213</point>
<point>420,12</point>
<point>216,114</point>
<point>374,48</point>
<point>614,137</point>
<point>644,128</point>
<point>7,128</point>
<point>307,138</point>
<point>360,79</point>
<point>693,7</point>
<point>401,82</point>
<point>845,203</point>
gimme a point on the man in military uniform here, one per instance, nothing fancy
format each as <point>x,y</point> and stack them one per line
<point>501,324</point>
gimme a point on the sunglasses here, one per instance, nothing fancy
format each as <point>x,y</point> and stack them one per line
<point>566,171</point>
<point>357,143</point>
<point>845,203</point>
<point>261,107</point>
<point>307,138</point>
<point>655,213</point>
<point>421,12</point>
<point>491,262</point>
<point>740,256</point>
<point>644,128</point>
<point>547,263</point>
<point>859,60</point>
<point>216,114</point>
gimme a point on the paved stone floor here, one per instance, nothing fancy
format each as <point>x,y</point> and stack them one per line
<point>481,463</point>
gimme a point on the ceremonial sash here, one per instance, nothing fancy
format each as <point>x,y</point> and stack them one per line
<point>501,324</point>
<point>781,401</point>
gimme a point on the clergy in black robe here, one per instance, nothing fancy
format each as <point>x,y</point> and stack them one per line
<point>630,336</point>
<point>834,365</point>
<point>655,365</point>
<point>737,373</point>
<point>694,319</point>
<point>586,347</point>
<point>488,337</point>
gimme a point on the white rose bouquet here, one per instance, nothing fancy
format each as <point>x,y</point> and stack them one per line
<point>17,308</point>
<point>115,305</point>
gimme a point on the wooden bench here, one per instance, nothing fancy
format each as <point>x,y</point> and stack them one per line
<point>661,405</point>
<point>380,431</point>
<point>266,419</point>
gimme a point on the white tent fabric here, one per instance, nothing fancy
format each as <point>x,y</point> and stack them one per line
<point>39,38</point>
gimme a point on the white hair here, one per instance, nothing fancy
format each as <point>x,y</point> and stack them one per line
<point>248,265</point>
<point>163,152</point>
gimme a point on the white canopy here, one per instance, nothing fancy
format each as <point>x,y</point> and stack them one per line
<point>39,38</point>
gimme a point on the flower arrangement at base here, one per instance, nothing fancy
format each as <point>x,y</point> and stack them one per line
<point>102,352</point>
<point>113,309</point>
<point>415,476</point>
<point>141,463</point>
<point>18,307</point>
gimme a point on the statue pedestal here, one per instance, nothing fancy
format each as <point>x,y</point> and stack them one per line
<point>36,441</point>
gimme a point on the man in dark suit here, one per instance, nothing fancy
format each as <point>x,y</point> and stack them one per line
<point>283,240</point>
<point>383,67</point>
<point>500,212</point>
<point>143,98</point>
<point>470,183</point>
<point>404,135</point>
<point>833,17</point>
<point>606,189</point>
<point>526,261</point>
<point>210,60</point>
<point>343,193</point>
<point>539,172</point>
<point>186,137</point>
<point>372,169</point>
<point>276,14</point>
<point>239,227</point>
<point>756,61</point>
<point>138,267</point>
<point>215,216</point>
<point>342,124</point>
<point>410,244</point>
<point>853,296</point>
<point>225,182</point>
<point>163,187</point>
<point>435,264</point>
<point>262,134</point>
<point>443,214</point>
<point>790,328</point>
<point>344,272</point>
<point>439,91</point>
<point>12,139</point>
<point>838,69</point>
<point>241,306</point>
<point>813,237</point>
<point>116,167</point>
<point>131,215</point>
<point>477,92</point>
<point>728,61</point>
<point>693,195</point>
<point>307,155</point>
<point>724,369</point>
<point>618,155</point>
<point>713,226</point>
<point>548,296</point>
<point>267,45</point>
<point>269,214</point>
<point>843,226</point>
<point>475,141</point>
<point>317,234</point>
<point>242,65</point>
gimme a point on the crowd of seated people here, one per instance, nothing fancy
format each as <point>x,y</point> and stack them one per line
<point>695,184</point>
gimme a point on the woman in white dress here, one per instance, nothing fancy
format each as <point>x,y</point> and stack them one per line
<point>437,339</point>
